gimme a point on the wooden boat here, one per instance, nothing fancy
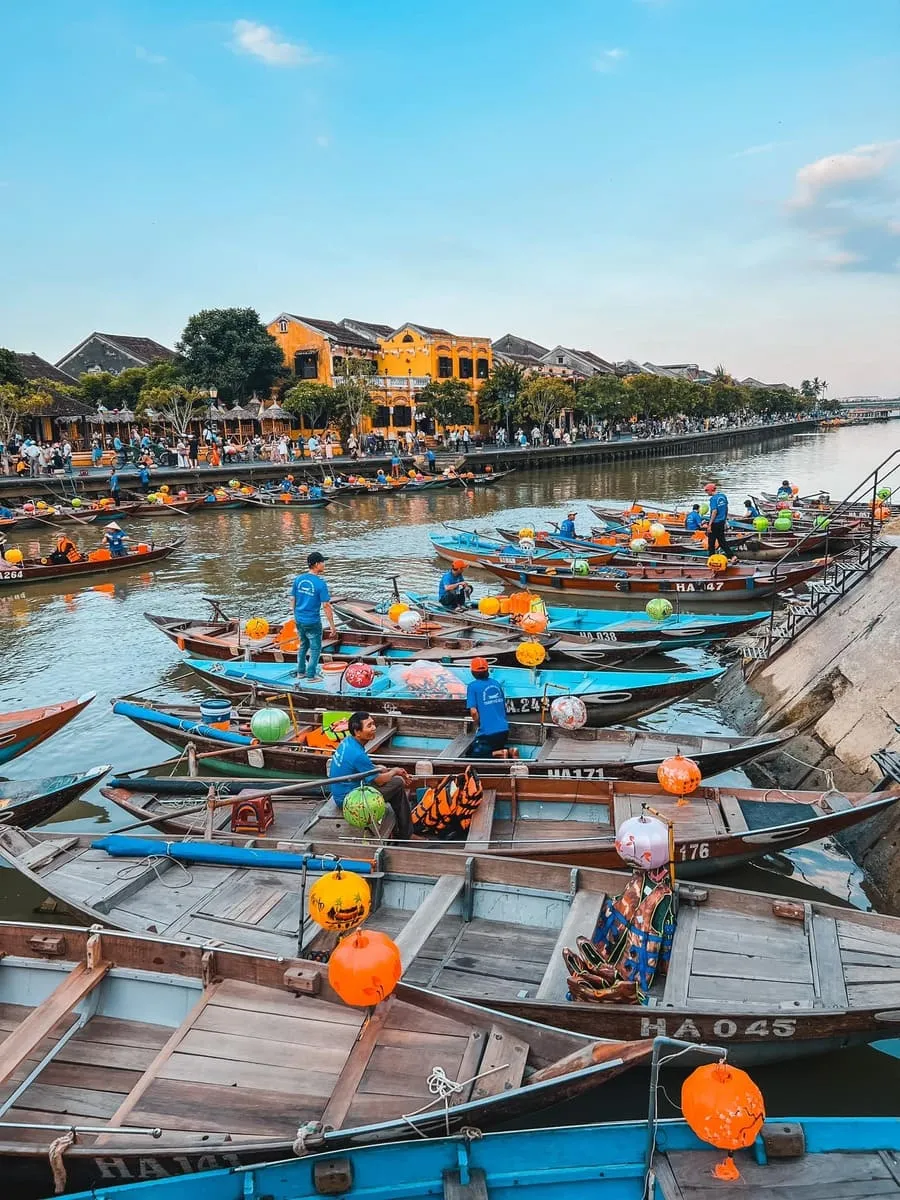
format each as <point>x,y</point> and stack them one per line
<point>767,977</point>
<point>28,727</point>
<point>159,509</point>
<point>476,551</point>
<point>58,512</point>
<point>429,485</point>
<point>224,639</point>
<point>605,625</point>
<point>27,802</point>
<point>484,478</point>
<point>569,821</point>
<point>426,689</point>
<point>270,499</point>
<point>674,522</point>
<point>746,543</point>
<point>840,1157</point>
<point>446,743</point>
<point>700,583</point>
<point>36,570</point>
<point>164,1059</point>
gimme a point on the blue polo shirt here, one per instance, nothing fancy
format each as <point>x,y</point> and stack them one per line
<point>447,578</point>
<point>348,759</point>
<point>567,529</point>
<point>144,475</point>
<point>486,695</point>
<point>309,592</point>
<point>718,508</point>
<point>693,521</point>
<point>113,483</point>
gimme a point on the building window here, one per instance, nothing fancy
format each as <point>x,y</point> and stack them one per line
<point>381,417</point>
<point>482,368</point>
<point>402,416</point>
<point>559,359</point>
<point>306,364</point>
<point>282,326</point>
<point>408,337</point>
<point>465,368</point>
<point>337,364</point>
<point>445,367</point>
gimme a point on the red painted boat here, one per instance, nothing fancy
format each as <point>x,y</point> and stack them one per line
<point>21,731</point>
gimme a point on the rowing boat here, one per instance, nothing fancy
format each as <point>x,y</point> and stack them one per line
<point>444,742</point>
<point>634,1160</point>
<point>429,485</point>
<point>606,625</point>
<point>274,499</point>
<point>164,1059</point>
<point>27,802</point>
<point>475,550</point>
<point>426,689</point>
<point>769,978</point>
<point>36,570</point>
<point>87,514</point>
<point>693,581</point>
<point>27,728</point>
<point>559,820</point>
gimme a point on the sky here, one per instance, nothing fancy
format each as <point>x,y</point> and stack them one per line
<point>709,181</point>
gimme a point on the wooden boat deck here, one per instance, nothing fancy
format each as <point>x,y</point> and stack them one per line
<point>832,1176</point>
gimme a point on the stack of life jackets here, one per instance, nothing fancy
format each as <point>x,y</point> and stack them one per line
<point>448,807</point>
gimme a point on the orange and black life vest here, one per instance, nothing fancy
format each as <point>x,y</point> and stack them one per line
<point>450,805</point>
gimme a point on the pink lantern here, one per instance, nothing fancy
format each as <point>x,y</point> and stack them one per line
<point>568,712</point>
<point>643,842</point>
<point>359,675</point>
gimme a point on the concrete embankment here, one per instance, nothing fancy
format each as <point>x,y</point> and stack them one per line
<point>839,683</point>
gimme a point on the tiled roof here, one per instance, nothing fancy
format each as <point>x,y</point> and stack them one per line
<point>336,333</point>
<point>143,348</point>
<point>33,366</point>
<point>368,327</point>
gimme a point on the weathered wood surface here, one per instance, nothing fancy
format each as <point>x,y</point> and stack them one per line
<point>581,921</point>
<point>833,1176</point>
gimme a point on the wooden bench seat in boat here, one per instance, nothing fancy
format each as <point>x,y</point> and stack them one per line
<point>580,922</point>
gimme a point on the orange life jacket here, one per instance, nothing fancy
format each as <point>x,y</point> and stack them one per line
<point>449,805</point>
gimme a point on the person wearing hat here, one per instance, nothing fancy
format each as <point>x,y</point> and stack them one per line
<point>310,595</point>
<point>454,591</point>
<point>718,520</point>
<point>567,528</point>
<point>115,539</point>
<point>486,702</point>
<point>785,492</point>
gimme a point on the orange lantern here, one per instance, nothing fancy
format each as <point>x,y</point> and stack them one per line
<point>717,562</point>
<point>724,1107</point>
<point>489,606</point>
<point>519,603</point>
<point>663,539</point>
<point>533,622</point>
<point>256,627</point>
<point>365,968</point>
<point>395,610</point>
<point>680,776</point>
<point>699,536</point>
<point>530,654</point>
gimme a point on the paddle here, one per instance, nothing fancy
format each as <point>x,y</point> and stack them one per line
<point>163,507</point>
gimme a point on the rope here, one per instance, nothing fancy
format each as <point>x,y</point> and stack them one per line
<point>826,771</point>
<point>132,870</point>
<point>58,1147</point>
<point>442,1087</point>
<point>650,1178</point>
<point>310,1137</point>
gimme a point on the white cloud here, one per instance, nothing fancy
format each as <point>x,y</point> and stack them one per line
<point>765,148</point>
<point>262,42</point>
<point>838,170</point>
<point>607,59</point>
<point>148,56</point>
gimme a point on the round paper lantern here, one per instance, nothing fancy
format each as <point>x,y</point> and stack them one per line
<point>365,968</point>
<point>568,712</point>
<point>76,503</point>
<point>821,523</point>
<point>359,675</point>
<point>395,610</point>
<point>339,901</point>
<point>883,493</point>
<point>530,654</point>
<point>882,512</point>
<point>656,530</point>
<point>327,481</point>
<point>41,504</point>
<point>717,562</point>
<point>783,524</point>
<point>527,545</point>
<point>411,474</point>
<point>410,620</point>
<point>581,566</point>
<point>489,606</point>
<point>663,539</point>
<point>643,842</point>
<point>679,775</point>
<point>533,622</point>
<point>526,532</point>
<point>13,556</point>
<point>363,806</point>
<point>659,609</point>
<point>270,724</point>
<point>640,528</point>
<point>638,545</point>
<point>256,627</point>
<point>704,510</point>
<point>724,1107</point>
<point>28,507</point>
<point>233,483</point>
<point>761,524</point>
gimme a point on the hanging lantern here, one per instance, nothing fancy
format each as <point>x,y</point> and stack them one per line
<point>489,606</point>
<point>659,608</point>
<point>679,775</point>
<point>410,620</point>
<point>527,545</point>
<point>664,539</point>
<point>638,545</point>
<point>363,806</point>
<point>581,566</point>
<point>881,512</point>
<point>339,901</point>
<point>717,562</point>
<point>256,627</point>
<point>365,968</point>
<point>76,502</point>
<point>704,510</point>
<point>883,493</point>
<point>783,524</point>
<point>530,654</point>
<point>395,610</point>
<point>359,675</point>
<point>526,532</point>
<point>761,524</point>
<point>724,1107</point>
<point>533,622</point>
<point>568,712</point>
<point>656,530</point>
<point>821,523</point>
<point>270,724</point>
<point>643,842</point>
<point>13,556</point>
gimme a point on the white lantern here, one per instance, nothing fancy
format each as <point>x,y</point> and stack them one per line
<point>527,545</point>
<point>657,530</point>
<point>638,545</point>
<point>568,712</point>
<point>410,620</point>
<point>643,842</point>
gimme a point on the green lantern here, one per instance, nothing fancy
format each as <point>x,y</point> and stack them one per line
<point>658,609</point>
<point>783,524</point>
<point>884,493</point>
<point>704,510</point>
<point>76,503</point>
<point>580,566</point>
<point>821,523</point>
<point>270,724</point>
<point>363,806</point>
<point>761,524</point>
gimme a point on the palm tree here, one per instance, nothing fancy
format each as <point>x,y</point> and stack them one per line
<point>823,387</point>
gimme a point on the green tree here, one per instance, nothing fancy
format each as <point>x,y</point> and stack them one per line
<point>312,402</point>
<point>447,401</point>
<point>543,397</point>
<point>603,398</point>
<point>10,371</point>
<point>499,395</point>
<point>176,404</point>
<point>352,402</point>
<point>20,400</point>
<point>231,350</point>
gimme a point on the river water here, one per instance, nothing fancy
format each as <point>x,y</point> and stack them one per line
<point>56,645</point>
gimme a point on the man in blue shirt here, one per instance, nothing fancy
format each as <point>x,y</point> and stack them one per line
<point>430,461</point>
<point>693,521</point>
<point>115,539</point>
<point>310,595</point>
<point>718,520</point>
<point>567,529</point>
<point>350,758</point>
<point>287,485</point>
<point>453,590</point>
<point>114,487</point>
<point>315,492</point>
<point>144,479</point>
<point>785,492</point>
<point>486,702</point>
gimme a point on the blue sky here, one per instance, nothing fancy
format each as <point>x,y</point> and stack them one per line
<point>666,180</point>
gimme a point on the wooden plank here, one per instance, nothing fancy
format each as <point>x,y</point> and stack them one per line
<point>224,1069</point>
<point>237,993</point>
<point>119,890</point>
<point>471,1059</point>
<point>321,1055</point>
<point>457,748</point>
<point>581,919</point>
<point>826,956</point>
<point>44,852</point>
<point>475,1189</point>
<point>479,837</point>
<point>505,966</point>
<point>79,982</point>
<point>419,928</point>
<point>665,1178</point>
<point>507,1052</point>
<point>734,817</point>
<point>760,945</point>
<point>345,1089</point>
<point>864,995</point>
<point>233,1022</point>
<point>749,991</point>
<point>748,966</point>
<point>679,974</point>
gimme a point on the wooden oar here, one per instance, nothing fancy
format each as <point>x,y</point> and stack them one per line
<point>163,507</point>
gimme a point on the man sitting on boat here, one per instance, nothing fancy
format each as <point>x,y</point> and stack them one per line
<point>750,510</point>
<point>316,492</point>
<point>287,485</point>
<point>694,521</point>
<point>785,491</point>
<point>454,591</point>
<point>66,551</point>
<point>567,528</point>
<point>350,758</point>
<point>115,539</point>
<point>486,702</point>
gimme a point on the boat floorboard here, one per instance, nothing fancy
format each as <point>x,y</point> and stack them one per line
<point>833,1176</point>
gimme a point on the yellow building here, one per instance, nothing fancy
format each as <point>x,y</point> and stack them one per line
<point>317,350</point>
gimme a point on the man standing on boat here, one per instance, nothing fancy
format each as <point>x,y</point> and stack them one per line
<point>718,520</point>
<point>567,528</point>
<point>454,591</point>
<point>351,758</point>
<point>310,595</point>
<point>486,702</point>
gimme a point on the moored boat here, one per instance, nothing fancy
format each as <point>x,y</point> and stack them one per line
<point>27,728</point>
<point>476,550</point>
<point>37,570</point>
<point>27,802</point>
